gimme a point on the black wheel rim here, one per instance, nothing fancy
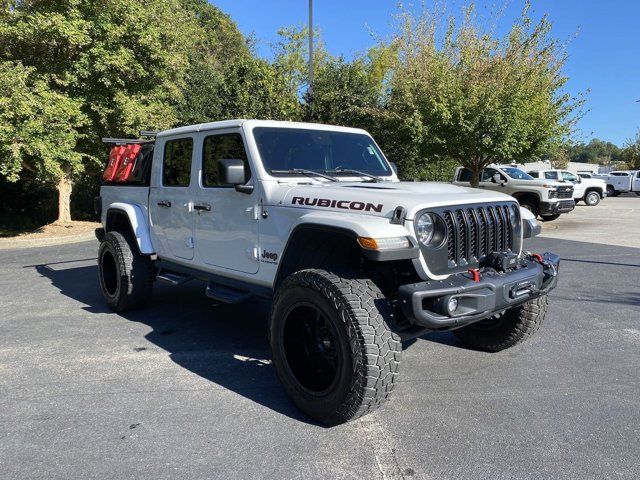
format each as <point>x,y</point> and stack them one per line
<point>311,348</point>
<point>109,273</point>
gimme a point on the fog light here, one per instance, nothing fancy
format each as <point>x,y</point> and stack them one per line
<point>452,305</point>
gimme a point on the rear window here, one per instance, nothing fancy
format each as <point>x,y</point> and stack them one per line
<point>176,164</point>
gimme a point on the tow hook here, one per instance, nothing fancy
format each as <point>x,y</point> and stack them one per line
<point>549,262</point>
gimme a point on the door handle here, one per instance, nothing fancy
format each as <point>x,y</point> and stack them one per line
<point>164,203</point>
<point>202,207</point>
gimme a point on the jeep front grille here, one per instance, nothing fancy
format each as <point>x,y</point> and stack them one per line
<point>474,232</point>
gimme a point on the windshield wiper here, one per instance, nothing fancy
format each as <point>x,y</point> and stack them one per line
<point>304,171</point>
<point>375,178</point>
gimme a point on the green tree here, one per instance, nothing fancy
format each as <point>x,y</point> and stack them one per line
<point>120,63</point>
<point>224,78</point>
<point>630,153</point>
<point>466,95</point>
<point>39,132</point>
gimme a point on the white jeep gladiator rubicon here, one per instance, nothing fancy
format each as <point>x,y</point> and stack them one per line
<point>314,218</point>
<point>586,189</point>
<point>546,198</point>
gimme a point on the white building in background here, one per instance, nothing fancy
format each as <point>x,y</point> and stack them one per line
<point>575,167</point>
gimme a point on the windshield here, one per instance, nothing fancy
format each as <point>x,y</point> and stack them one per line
<point>517,173</point>
<point>286,149</point>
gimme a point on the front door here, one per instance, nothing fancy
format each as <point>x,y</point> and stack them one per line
<point>170,205</point>
<point>226,221</point>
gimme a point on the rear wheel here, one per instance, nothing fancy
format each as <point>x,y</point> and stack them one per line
<point>332,345</point>
<point>506,330</point>
<point>592,198</point>
<point>126,276</point>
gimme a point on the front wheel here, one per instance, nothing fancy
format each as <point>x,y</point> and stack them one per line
<point>592,199</point>
<point>507,329</point>
<point>333,349</point>
<point>531,206</point>
<point>549,218</point>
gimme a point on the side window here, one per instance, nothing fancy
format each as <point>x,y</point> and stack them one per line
<point>176,164</point>
<point>534,173</point>
<point>487,174</point>
<point>551,175</point>
<point>570,177</point>
<point>464,175</point>
<point>225,146</point>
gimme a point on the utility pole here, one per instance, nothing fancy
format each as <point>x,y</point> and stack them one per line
<point>310,89</point>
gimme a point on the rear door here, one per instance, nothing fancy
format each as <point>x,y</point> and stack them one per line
<point>226,221</point>
<point>170,205</point>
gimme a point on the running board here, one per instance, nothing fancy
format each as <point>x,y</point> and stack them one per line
<point>226,295</point>
<point>172,278</point>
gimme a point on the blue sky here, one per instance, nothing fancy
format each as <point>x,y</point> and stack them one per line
<point>604,56</point>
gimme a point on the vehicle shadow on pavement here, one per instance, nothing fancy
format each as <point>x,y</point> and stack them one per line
<point>225,344</point>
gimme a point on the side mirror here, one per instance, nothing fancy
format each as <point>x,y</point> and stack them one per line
<point>497,178</point>
<point>579,179</point>
<point>231,172</point>
<point>394,167</point>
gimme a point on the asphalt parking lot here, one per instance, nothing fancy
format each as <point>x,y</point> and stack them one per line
<point>185,389</point>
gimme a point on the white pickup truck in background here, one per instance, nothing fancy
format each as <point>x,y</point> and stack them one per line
<point>588,190</point>
<point>621,181</point>
<point>546,198</point>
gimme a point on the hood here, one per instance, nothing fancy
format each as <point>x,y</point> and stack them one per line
<point>380,199</point>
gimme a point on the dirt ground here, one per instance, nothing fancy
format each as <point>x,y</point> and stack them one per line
<point>51,234</point>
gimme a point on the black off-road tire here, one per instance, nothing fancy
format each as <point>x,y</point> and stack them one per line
<point>531,206</point>
<point>550,218</point>
<point>592,198</point>
<point>514,326</point>
<point>366,352</point>
<point>126,276</point>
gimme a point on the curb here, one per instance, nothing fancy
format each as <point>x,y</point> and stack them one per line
<point>16,243</point>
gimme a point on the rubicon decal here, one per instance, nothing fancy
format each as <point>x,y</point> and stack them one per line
<point>343,204</point>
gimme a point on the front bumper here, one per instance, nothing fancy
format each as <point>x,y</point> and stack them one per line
<point>561,206</point>
<point>425,304</point>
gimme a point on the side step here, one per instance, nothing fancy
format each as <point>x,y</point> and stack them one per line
<point>226,295</point>
<point>174,279</point>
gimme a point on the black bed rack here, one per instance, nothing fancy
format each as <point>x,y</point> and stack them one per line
<point>129,141</point>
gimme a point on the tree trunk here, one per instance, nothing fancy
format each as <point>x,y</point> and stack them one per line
<point>64,199</point>
<point>475,175</point>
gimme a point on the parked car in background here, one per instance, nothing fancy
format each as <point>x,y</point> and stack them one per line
<point>588,190</point>
<point>546,198</point>
<point>621,181</point>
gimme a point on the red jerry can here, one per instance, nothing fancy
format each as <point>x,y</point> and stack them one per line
<point>115,159</point>
<point>128,162</point>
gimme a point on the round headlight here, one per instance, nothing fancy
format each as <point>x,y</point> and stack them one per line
<point>425,228</point>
